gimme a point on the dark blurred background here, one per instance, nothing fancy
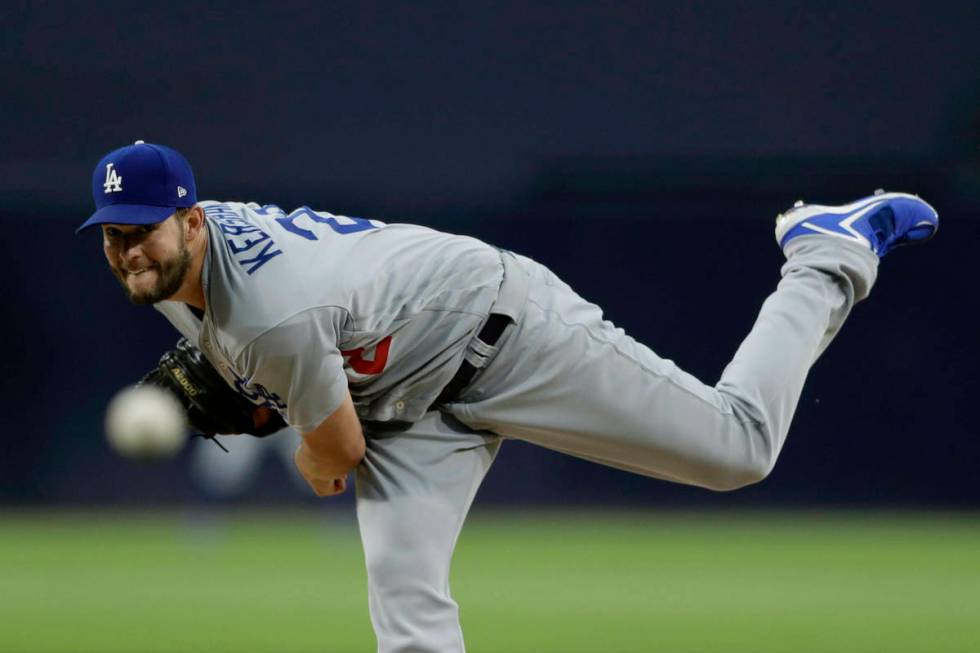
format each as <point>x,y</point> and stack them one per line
<point>640,149</point>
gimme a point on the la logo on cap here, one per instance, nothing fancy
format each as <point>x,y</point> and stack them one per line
<point>113,181</point>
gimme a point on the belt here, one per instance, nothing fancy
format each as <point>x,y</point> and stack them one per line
<point>489,335</point>
<point>506,310</point>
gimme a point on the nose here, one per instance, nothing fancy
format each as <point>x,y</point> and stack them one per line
<point>131,252</point>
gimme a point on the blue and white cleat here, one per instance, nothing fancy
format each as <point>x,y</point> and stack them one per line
<point>881,222</point>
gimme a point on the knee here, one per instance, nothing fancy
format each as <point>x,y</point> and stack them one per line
<point>751,447</point>
<point>738,475</point>
<point>395,573</point>
<point>746,463</point>
<point>403,550</point>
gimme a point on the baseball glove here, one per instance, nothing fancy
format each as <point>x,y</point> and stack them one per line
<point>212,405</point>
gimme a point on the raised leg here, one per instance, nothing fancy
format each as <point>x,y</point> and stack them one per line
<point>568,380</point>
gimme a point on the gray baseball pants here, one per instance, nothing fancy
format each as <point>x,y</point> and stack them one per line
<point>565,379</point>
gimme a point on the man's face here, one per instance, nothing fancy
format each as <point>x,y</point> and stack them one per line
<point>150,261</point>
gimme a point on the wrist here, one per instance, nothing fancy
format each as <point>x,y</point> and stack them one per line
<point>326,464</point>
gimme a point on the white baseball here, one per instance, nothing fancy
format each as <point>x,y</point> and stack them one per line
<point>145,422</point>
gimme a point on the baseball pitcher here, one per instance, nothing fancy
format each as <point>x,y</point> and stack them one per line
<point>406,356</point>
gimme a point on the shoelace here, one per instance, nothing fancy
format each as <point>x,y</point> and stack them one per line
<point>213,438</point>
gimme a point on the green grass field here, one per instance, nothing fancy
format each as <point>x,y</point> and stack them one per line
<point>534,582</point>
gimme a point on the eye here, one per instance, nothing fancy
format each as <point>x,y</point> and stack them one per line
<point>112,232</point>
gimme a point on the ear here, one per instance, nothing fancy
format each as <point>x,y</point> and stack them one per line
<point>194,223</point>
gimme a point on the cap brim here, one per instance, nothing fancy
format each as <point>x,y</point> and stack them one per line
<point>128,214</point>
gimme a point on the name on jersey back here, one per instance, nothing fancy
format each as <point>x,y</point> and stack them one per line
<point>250,246</point>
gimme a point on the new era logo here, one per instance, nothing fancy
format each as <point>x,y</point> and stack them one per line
<point>181,191</point>
<point>113,181</point>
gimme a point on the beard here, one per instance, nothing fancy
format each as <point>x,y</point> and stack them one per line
<point>170,277</point>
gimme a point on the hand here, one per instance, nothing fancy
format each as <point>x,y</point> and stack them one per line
<point>318,472</point>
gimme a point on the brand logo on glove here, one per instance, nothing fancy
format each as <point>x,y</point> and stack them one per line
<point>189,388</point>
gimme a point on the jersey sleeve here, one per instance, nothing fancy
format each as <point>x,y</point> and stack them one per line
<point>299,362</point>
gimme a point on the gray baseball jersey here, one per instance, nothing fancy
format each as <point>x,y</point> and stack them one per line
<point>302,306</point>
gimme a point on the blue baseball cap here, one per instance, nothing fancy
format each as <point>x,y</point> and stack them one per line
<point>141,183</point>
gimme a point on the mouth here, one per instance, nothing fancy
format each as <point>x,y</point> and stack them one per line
<point>138,271</point>
<point>138,277</point>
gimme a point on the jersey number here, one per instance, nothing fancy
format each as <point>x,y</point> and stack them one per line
<point>362,365</point>
<point>339,223</point>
